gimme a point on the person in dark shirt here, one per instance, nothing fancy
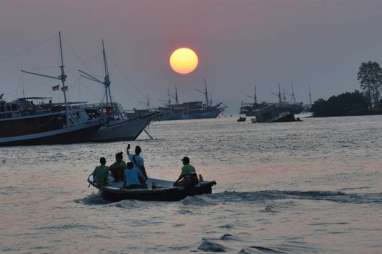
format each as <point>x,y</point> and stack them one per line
<point>118,167</point>
<point>101,173</point>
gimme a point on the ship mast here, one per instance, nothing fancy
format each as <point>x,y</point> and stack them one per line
<point>105,82</point>
<point>176,95</point>
<point>205,93</point>
<point>169,97</point>
<point>62,77</point>
<point>254,96</point>
<point>310,96</point>
<point>293,94</point>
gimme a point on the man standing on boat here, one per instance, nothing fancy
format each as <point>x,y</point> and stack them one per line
<point>137,159</point>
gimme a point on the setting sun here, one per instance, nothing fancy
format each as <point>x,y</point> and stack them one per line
<point>184,60</point>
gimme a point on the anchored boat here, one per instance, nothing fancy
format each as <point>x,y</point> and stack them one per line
<point>24,122</point>
<point>158,190</point>
<point>118,125</point>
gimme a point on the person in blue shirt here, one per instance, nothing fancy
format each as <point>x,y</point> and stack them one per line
<point>137,159</point>
<point>133,178</point>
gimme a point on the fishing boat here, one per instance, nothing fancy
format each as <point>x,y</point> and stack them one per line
<point>158,190</point>
<point>118,125</point>
<point>23,122</point>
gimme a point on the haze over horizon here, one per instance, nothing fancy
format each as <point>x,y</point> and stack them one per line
<point>240,43</point>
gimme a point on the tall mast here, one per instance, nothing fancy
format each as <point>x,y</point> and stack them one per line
<point>279,94</point>
<point>293,94</point>
<point>106,81</point>
<point>176,95</point>
<point>206,93</point>
<point>61,77</point>
<point>254,95</point>
<point>169,97</point>
<point>310,95</point>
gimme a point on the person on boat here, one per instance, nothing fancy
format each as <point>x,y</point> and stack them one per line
<point>188,177</point>
<point>133,178</point>
<point>101,173</point>
<point>118,167</point>
<point>137,159</point>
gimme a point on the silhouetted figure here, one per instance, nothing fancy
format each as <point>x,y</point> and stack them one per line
<point>137,159</point>
<point>133,177</point>
<point>118,167</point>
<point>188,177</point>
<point>101,173</point>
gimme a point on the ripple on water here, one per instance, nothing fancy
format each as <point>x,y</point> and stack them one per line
<point>262,196</point>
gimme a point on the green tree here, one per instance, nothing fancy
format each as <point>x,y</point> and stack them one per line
<point>345,104</point>
<point>370,77</point>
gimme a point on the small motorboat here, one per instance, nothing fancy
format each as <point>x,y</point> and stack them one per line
<point>157,190</point>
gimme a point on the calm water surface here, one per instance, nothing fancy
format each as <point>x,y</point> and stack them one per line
<point>307,187</point>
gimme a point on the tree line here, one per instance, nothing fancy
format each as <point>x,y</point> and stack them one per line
<point>366,101</point>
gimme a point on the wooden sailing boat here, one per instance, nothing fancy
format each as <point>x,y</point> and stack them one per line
<point>29,124</point>
<point>118,127</point>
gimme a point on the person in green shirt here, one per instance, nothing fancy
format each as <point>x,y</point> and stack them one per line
<point>118,167</point>
<point>188,177</point>
<point>101,173</point>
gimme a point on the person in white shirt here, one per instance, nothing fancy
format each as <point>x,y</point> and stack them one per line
<point>137,159</point>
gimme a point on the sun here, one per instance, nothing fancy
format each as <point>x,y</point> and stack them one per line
<point>184,60</point>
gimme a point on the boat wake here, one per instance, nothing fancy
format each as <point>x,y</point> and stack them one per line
<point>258,196</point>
<point>333,196</point>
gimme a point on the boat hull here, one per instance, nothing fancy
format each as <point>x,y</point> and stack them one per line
<point>122,130</point>
<point>199,115</point>
<point>167,193</point>
<point>68,135</point>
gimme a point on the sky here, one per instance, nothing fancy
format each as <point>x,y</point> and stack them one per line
<point>240,43</point>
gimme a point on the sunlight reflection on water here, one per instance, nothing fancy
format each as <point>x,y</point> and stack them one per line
<point>265,175</point>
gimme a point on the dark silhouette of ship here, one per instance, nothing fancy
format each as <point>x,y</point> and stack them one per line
<point>191,109</point>
<point>282,111</point>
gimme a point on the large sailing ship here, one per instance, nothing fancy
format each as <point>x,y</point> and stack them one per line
<point>281,111</point>
<point>191,109</point>
<point>118,126</point>
<point>25,122</point>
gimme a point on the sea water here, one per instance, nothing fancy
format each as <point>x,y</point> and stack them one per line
<point>305,187</point>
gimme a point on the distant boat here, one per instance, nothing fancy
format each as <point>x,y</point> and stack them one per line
<point>241,119</point>
<point>251,108</point>
<point>190,110</point>
<point>22,122</point>
<point>119,126</point>
<point>274,113</point>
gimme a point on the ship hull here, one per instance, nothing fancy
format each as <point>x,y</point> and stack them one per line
<point>70,135</point>
<point>122,130</point>
<point>198,115</point>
